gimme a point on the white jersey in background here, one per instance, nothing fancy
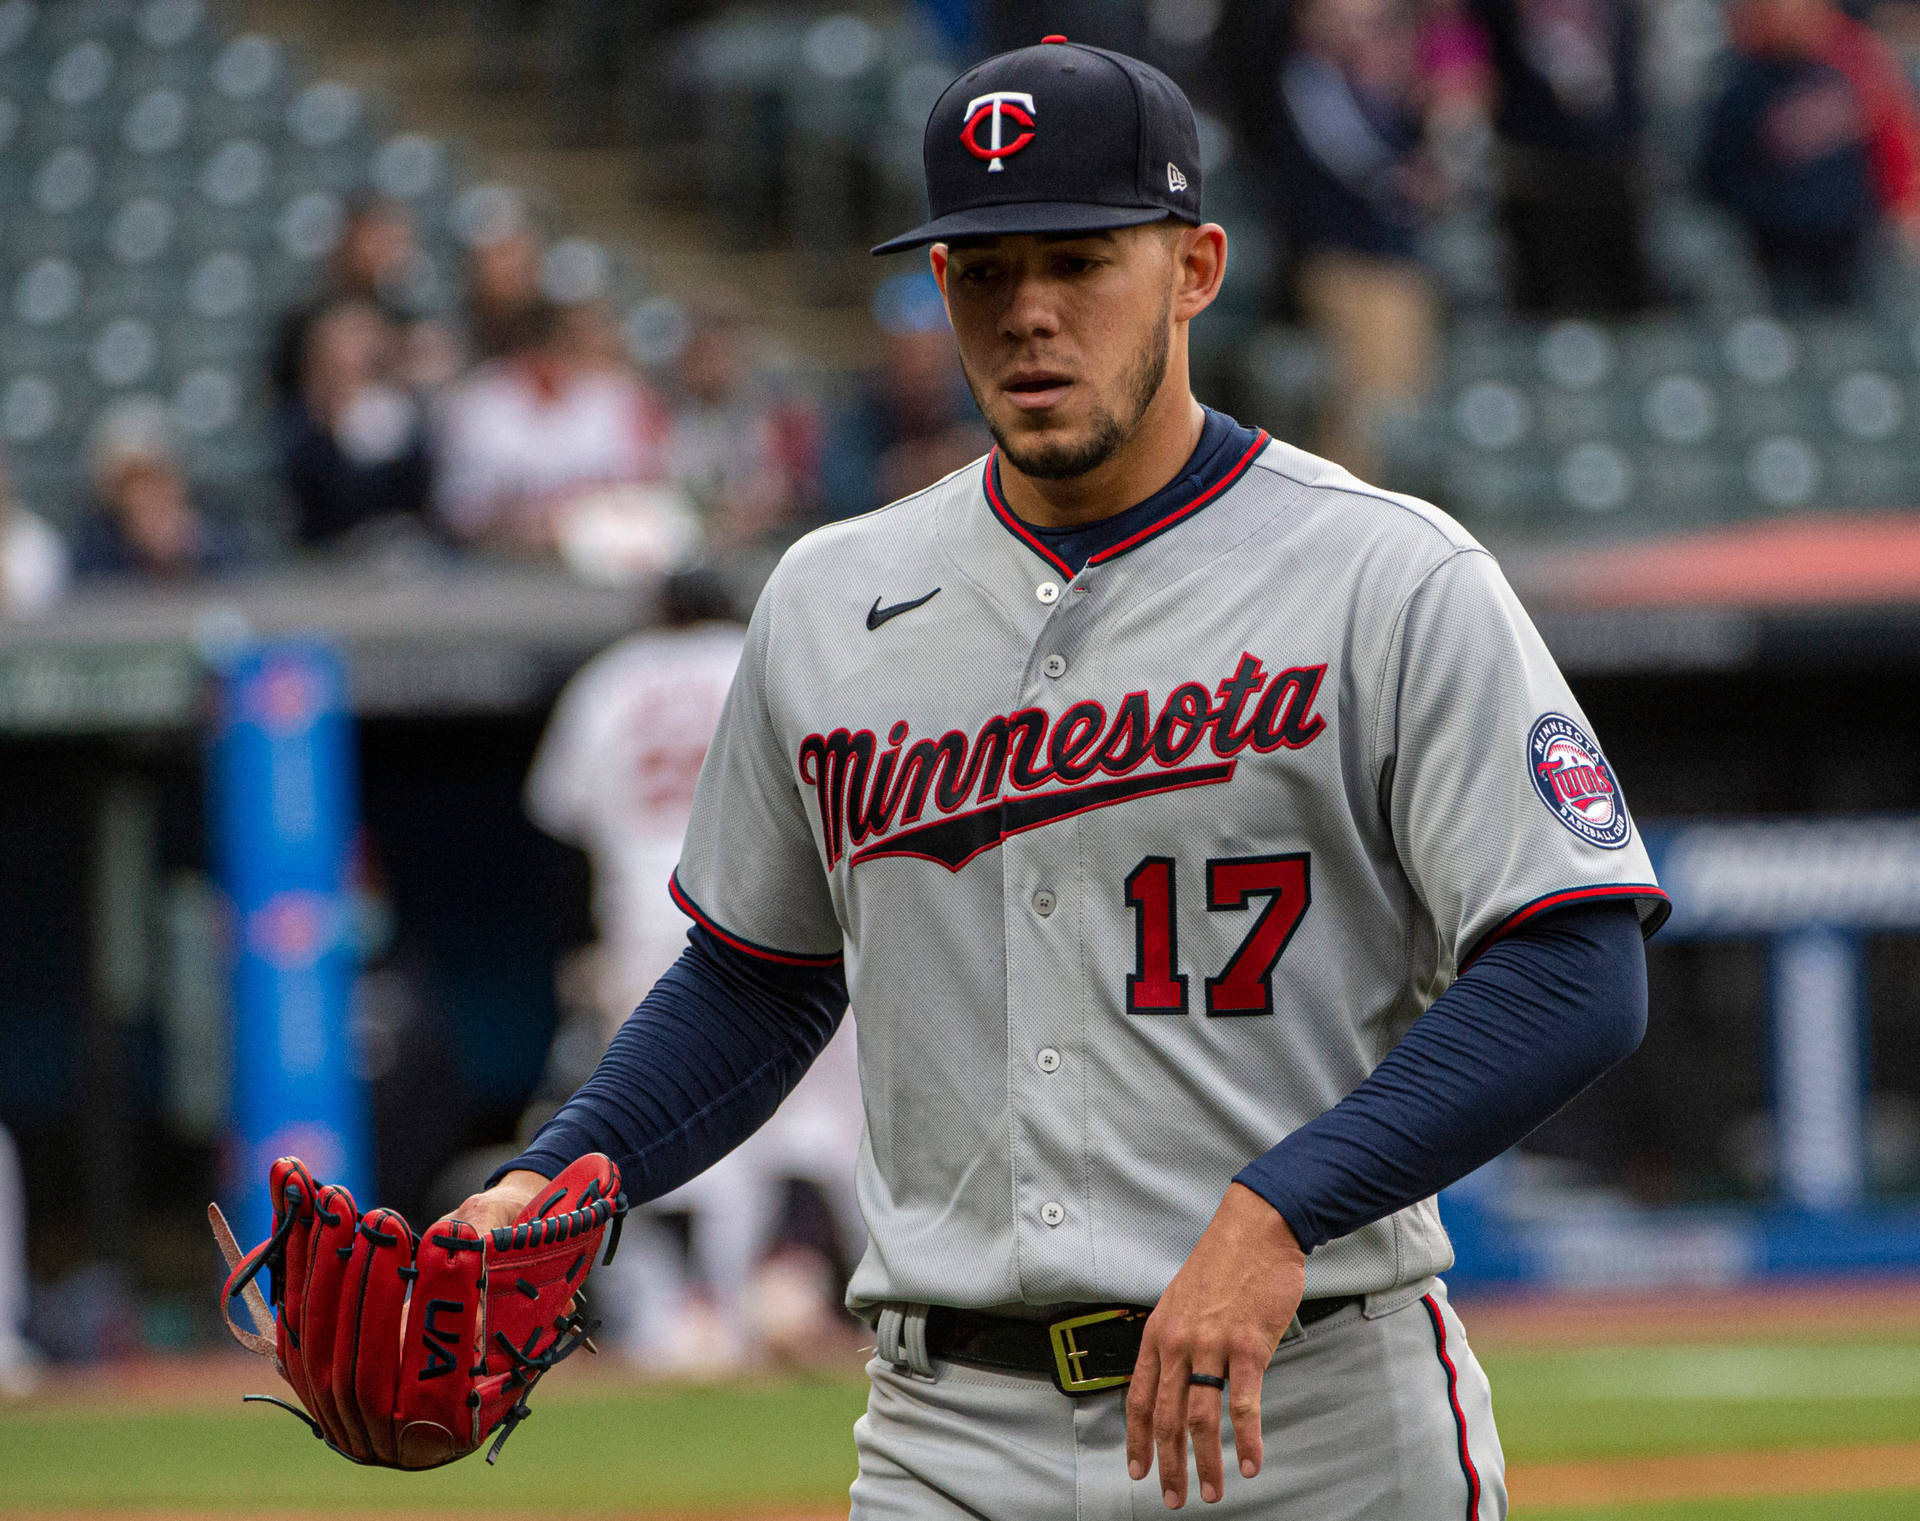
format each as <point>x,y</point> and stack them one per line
<point>615,775</point>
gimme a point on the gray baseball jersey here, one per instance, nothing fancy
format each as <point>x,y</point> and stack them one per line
<point>1137,870</point>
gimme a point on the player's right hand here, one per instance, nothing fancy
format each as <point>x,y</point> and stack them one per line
<point>501,1204</point>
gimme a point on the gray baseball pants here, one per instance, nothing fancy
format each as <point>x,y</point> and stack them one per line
<point>1381,1411</point>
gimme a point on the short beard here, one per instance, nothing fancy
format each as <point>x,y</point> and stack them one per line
<point>1060,462</point>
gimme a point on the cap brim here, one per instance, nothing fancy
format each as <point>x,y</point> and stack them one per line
<point>1023,216</point>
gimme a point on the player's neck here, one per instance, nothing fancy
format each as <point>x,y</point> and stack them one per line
<point>1168,434</point>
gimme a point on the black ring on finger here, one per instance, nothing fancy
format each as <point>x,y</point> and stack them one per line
<point>1211,1380</point>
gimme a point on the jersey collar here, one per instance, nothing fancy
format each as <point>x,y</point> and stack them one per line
<point>1185,495</point>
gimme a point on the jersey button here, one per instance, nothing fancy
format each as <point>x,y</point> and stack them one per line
<point>1052,1213</point>
<point>1044,903</point>
<point>1055,666</point>
<point>1048,1059</point>
<point>1048,592</point>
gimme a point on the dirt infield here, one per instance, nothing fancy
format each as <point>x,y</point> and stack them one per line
<point>1839,1310</point>
<point>1716,1476</point>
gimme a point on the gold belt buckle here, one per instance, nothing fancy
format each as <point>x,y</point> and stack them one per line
<point>1067,1353</point>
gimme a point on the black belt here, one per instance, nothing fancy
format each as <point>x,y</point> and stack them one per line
<point>1087,1350</point>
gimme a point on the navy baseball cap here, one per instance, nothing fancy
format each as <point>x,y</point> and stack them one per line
<point>1057,138</point>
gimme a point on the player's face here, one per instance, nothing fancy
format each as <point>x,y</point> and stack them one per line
<point>1064,340</point>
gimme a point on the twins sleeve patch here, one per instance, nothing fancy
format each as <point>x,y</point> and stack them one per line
<point>1574,780</point>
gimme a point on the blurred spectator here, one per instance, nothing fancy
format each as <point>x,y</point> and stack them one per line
<point>747,454</point>
<point>143,521</point>
<point>1241,82</point>
<point>1813,141</point>
<point>1455,69</point>
<point>371,262</point>
<point>911,421</point>
<point>957,23</point>
<point>353,442</point>
<point>33,558</point>
<point>503,289</point>
<point>589,330</point>
<point>1569,121</point>
<point>523,439</point>
<point>1897,21</point>
<point>1354,188</point>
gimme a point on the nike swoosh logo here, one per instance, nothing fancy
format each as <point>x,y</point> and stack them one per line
<point>877,615</point>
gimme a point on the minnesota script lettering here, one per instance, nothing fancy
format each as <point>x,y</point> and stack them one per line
<point>866,793</point>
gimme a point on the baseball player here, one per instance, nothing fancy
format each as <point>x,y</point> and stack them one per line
<point>1218,862</point>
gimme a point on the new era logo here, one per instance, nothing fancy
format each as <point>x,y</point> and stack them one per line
<point>1176,181</point>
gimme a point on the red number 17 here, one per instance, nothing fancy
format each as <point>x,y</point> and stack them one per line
<point>1245,986</point>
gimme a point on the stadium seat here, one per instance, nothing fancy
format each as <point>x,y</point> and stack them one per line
<point>1680,485</point>
<point>1511,492</point>
<point>1757,412</point>
<point>1575,417</point>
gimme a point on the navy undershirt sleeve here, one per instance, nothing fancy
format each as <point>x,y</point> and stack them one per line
<point>1536,1019</point>
<point>702,1063</point>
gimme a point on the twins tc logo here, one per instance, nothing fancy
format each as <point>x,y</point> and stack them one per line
<point>997,109</point>
<point>1574,780</point>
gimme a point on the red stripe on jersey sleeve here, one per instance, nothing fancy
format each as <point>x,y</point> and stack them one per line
<point>1599,891</point>
<point>766,953</point>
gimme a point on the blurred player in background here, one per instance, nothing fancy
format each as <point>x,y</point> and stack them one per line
<point>18,1361</point>
<point>614,775</point>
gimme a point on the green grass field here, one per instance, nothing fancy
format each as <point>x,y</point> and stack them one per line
<point>1559,1405</point>
<point>756,1447</point>
<point>669,1449</point>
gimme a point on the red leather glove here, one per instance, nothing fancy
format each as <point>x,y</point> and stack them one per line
<point>409,1352</point>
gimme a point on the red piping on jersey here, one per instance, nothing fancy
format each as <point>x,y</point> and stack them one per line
<point>1113,551</point>
<point>1453,1398</point>
<point>786,958</point>
<point>1239,469</point>
<point>1663,905</point>
<point>1017,528</point>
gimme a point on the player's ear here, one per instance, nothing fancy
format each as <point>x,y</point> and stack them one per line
<point>1200,264</point>
<point>937,257</point>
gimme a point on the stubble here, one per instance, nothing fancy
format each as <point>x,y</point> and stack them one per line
<point>1109,431</point>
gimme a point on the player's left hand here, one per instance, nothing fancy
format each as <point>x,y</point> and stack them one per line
<point>1223,1314</point>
